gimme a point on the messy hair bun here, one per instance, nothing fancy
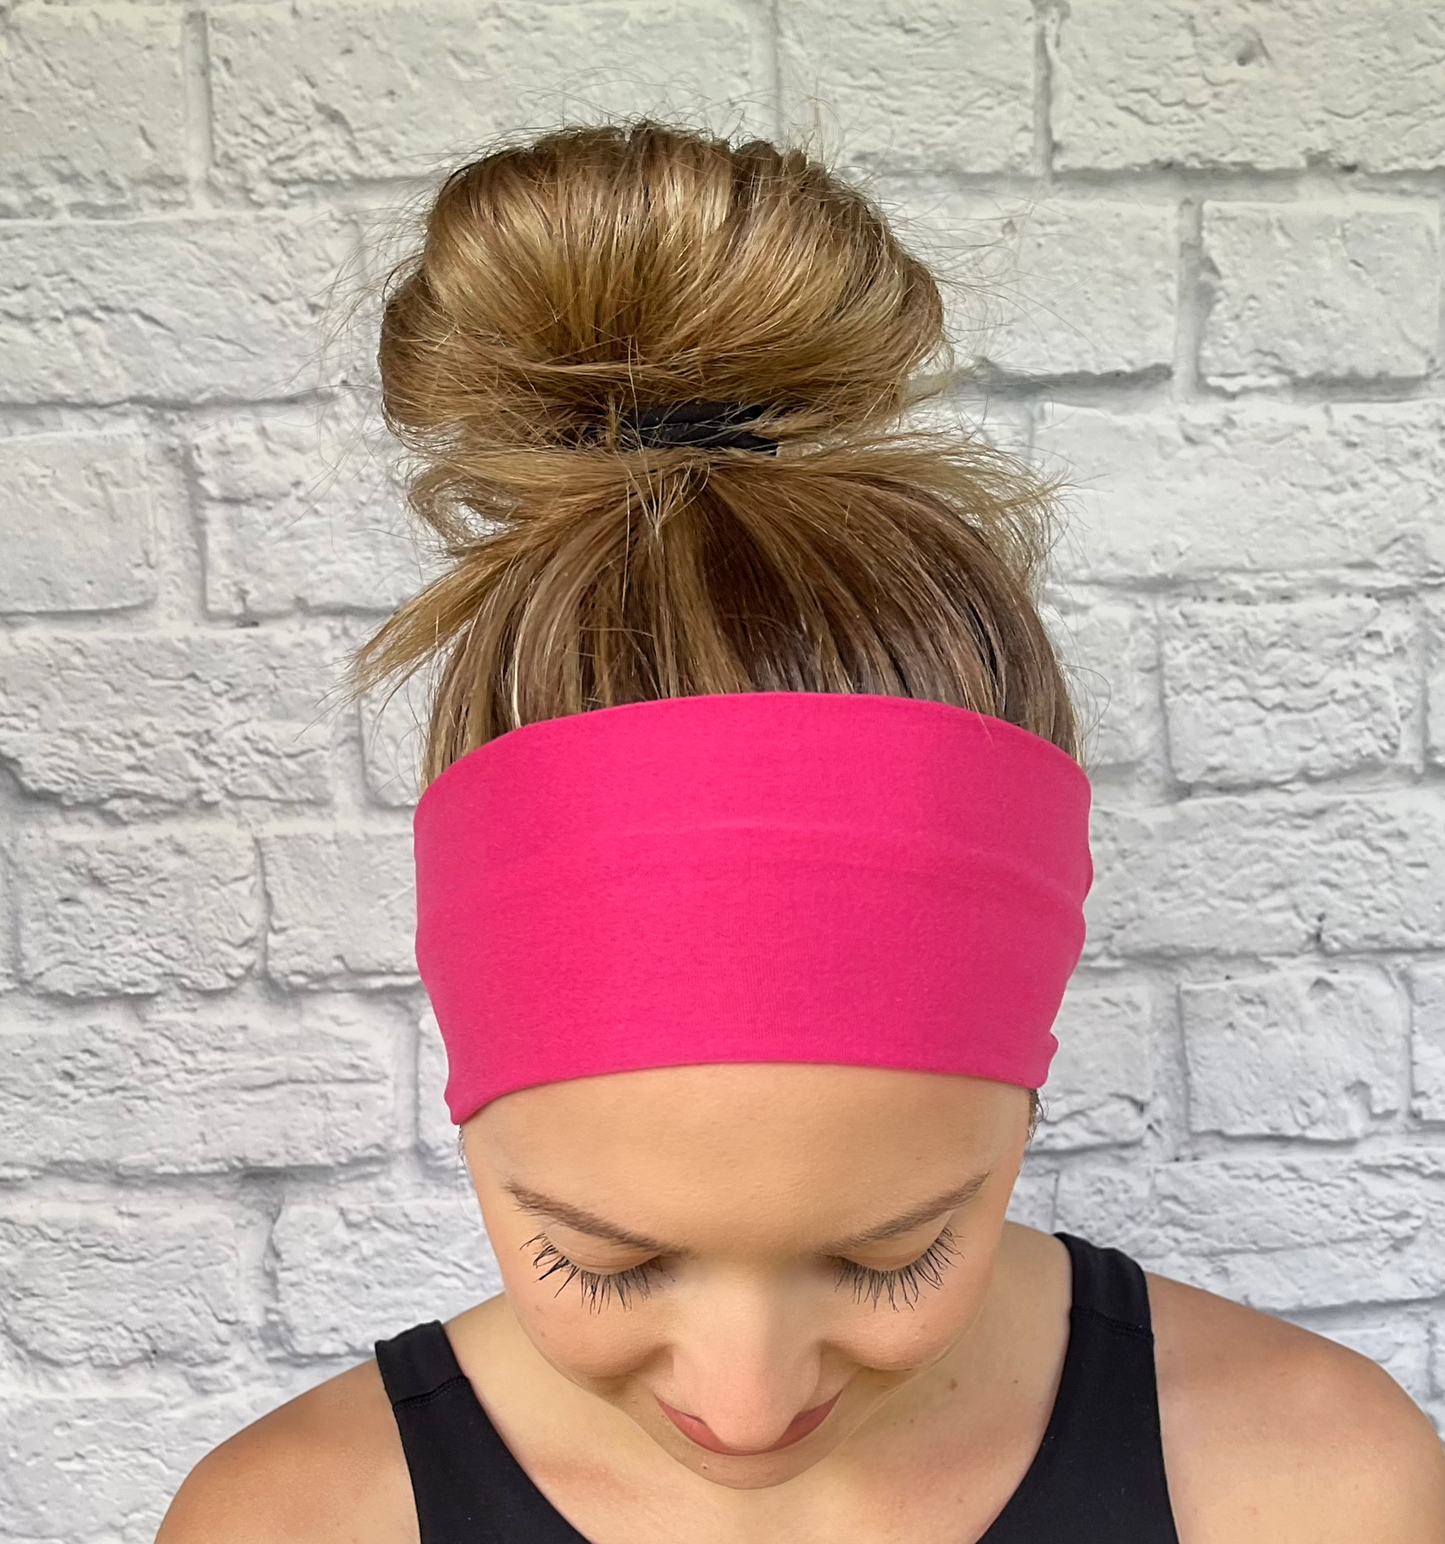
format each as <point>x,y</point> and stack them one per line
<point>564,286</point>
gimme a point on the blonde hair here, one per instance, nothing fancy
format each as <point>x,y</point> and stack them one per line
<point>595,272</point>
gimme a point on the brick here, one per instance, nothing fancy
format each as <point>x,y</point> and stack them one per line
<point>102,1465</point>
<point>1427,1039</point>
<point>102,717</point>
<point>137,911</point>
<point>1201,875</point>
<point>331,92</point>
<point>1173,83</point>
<point>8,926</point>
<point>242,1084</point>
<point>393,740</point>
<point>92,108</point>
<point>93,549</point>
<point>164,1281</point>
<point>1269,875</point>
<point>294,517</point>
<point>195,309</point>
<point>1380,881</point>
<point>349,1275</point>
<point>1318,1054</point>
<point>1032,1202</point>
<point>1281,1234</point>
<point>1434,612</point>
<point>1102,1078</point>
<point>436,1136</point>
<point>342,906</point>
<point>1092,291</point>
<point>915,85</point>
<point>971,410</point>
<point>1252,488</point>
<point>1110,655</point>
<point>1299,293</point>
<point>1263,693</point>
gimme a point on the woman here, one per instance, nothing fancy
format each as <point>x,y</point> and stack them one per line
<point>750,875</point>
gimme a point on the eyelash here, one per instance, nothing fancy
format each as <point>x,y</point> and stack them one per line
<point>902,1287</point>
<point>906,1283</point>
<point>597,1288</point>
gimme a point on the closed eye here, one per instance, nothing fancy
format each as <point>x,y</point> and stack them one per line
<point>902,1287</point>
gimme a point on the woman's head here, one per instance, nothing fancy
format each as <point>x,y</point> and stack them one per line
<point>561,287</point>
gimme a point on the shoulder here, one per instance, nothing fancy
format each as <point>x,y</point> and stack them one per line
<point>1273,1433</point>
<point>327,1467</point>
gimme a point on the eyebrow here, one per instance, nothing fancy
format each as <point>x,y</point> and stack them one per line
<point>598,1227</point>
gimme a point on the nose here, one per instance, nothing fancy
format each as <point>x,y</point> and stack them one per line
<point>746,1377</point>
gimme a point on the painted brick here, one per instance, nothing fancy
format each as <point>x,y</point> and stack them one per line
<point>1263,693</point>
<point>196,309</point>
<point>132,1448</point>
<point>1316,1054</point>
<point>1269,875</point>
<point>1248,489</point>
<point>1434,613</point>
<point>1102,1077</point>
<point>101,717</point>
<point>914,85</point>
<point>1110,653</point>
<point>1282,1234</point>
<point>233,1085</point>
<point>342,905</point>
<point>93,549</point>
<point>435,1134</point>
<point>296,517</point>
<point>393,741</point>
<point>137,911</point>
<point>1297,292</point>
<point>8,926</point>
<point>1173,83</point>
<point>92,107</point>
<point>1381,882</point>
<point>1092,290</point>
<point>1003,422</point>
<point>1032,1202</point>
<point>392,1264</point>
<point>164,1280</point>
<point>1201,875</point>
<point>1427,1039</point>
<point>330,91</point>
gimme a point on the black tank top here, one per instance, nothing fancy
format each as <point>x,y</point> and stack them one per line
<point>1097,1478</point>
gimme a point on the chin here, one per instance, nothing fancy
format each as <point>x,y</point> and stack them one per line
<point>761,1471</point>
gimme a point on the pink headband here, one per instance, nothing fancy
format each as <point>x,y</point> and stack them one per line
<point>751,877</point>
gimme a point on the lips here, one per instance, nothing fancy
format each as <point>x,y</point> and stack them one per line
<point>699,1431</point>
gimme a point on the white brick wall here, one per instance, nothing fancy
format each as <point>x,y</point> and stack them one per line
<point>1213,236</point>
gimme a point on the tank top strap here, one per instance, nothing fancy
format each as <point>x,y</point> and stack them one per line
<point>1101,1461</point>
<point>468,1487</point>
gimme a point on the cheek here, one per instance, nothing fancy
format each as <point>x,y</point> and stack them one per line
<point>905,1338</point>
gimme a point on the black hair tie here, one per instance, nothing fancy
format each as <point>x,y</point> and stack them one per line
<point>710,425</point>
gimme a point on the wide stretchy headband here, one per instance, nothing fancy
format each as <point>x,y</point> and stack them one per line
<point>751,877</point>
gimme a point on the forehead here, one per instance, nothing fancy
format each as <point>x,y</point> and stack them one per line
<point>685,1151</point>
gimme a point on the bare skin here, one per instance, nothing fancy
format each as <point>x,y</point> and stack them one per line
<point>747,1194</point>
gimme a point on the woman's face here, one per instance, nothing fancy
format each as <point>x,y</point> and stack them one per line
<point>748,1260</point>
